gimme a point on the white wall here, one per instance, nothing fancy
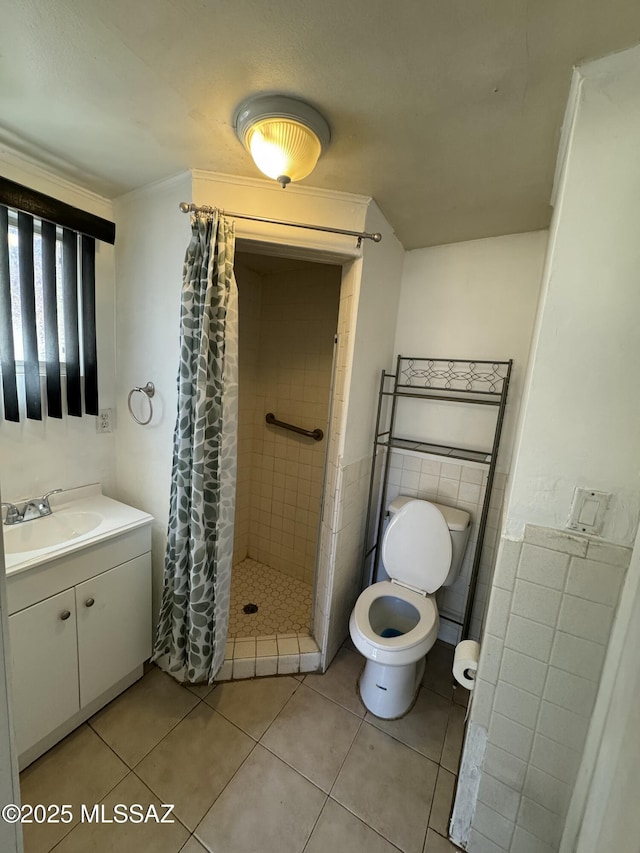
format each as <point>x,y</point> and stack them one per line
<point>582,409</point>
<point>37,456</point>
<point>377,301</point>
<point>578,427</point>
<point>472,300</point>
<point>152,239</point>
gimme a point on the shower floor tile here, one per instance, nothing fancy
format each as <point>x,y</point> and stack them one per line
<point>284,602</point>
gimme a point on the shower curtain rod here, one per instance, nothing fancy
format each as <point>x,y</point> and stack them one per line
<point>187,207</point>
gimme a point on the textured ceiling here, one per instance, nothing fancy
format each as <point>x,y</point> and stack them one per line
<point>447,112</point>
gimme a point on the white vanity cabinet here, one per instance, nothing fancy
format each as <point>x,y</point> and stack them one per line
<point>44,663</point>
<point>113,614</point>
<point>80,630</point>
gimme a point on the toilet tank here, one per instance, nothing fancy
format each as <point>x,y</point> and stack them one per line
<point>459,527</point>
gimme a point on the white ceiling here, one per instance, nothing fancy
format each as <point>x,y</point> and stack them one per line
<point>447,112</point>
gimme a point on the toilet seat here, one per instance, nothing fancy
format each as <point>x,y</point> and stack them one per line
<point>389,649</point>
<point>417,547</point>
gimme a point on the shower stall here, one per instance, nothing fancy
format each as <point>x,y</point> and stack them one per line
<point>288,314</point>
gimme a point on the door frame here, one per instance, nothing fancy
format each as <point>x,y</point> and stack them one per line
<point>350,262</point>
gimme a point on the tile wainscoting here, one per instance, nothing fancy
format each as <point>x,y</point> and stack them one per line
<point>550,615</point>
<point>460,485</point>
<point>341,552</point>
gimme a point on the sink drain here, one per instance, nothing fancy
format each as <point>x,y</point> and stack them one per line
<point>250,608</point>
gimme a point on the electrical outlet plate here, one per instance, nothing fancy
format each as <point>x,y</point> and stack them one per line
<point>104,421</point>
<point>587,511</point>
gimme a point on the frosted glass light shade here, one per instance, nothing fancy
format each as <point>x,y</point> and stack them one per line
<point>283,149</point>
<point>284,135</point>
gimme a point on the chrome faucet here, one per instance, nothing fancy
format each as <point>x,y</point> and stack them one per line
<point>13,516</point>
<point>34,508</point>
<point>45,501</point>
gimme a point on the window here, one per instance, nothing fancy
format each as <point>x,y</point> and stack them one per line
<point>16,303</point>
<point>47,303</point>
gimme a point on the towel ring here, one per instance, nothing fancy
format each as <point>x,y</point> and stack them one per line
<point>148,390</point>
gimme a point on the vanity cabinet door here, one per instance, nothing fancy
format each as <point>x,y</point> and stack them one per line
<point>114,625</point>
<point>44,663</point>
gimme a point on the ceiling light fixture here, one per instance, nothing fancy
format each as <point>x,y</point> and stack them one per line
<point>285,136</point>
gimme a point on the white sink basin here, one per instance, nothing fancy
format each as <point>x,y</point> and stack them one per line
<point>64,526</point>
<point>81,518</point>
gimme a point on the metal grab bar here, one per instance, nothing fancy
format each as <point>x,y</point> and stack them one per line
<point>316,434</point>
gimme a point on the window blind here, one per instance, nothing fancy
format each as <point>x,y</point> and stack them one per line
<point>50,310</point>
<point>33,286</point>
<point>7,351</point>
<point>28,314</point>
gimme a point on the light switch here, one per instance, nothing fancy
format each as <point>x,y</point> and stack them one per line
<point>587,510</point>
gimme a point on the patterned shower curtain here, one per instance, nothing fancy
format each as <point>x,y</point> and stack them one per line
<point>194,616</point>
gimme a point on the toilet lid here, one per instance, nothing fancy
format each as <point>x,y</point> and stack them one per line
<point>416,548</point>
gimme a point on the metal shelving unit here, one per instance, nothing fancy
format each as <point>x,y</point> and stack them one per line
<point>474,383</point>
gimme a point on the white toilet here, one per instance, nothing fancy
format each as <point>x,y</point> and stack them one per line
<point>395,621</point>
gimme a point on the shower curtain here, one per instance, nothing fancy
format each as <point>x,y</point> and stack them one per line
<point>194,616</point>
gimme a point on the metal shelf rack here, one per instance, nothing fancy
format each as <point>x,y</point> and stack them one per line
<point>475,383</point>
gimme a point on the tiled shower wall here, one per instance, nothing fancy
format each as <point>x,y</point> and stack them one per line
<point>292,369</point>
<point>546,633</point>
<point>460,485</point>
<point>249,306</point>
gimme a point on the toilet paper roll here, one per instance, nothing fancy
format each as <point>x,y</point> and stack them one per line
<point>465,663</point>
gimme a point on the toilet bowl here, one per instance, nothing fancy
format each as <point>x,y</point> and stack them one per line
<point>395,621</point>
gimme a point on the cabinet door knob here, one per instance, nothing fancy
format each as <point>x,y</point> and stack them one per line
<point>65,615</point>
<point>89,602</point>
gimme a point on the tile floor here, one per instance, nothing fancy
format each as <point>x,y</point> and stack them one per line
<point>271,765</point>
<point>284,602</point>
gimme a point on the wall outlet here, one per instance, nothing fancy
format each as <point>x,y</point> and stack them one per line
<point>104,421</point>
